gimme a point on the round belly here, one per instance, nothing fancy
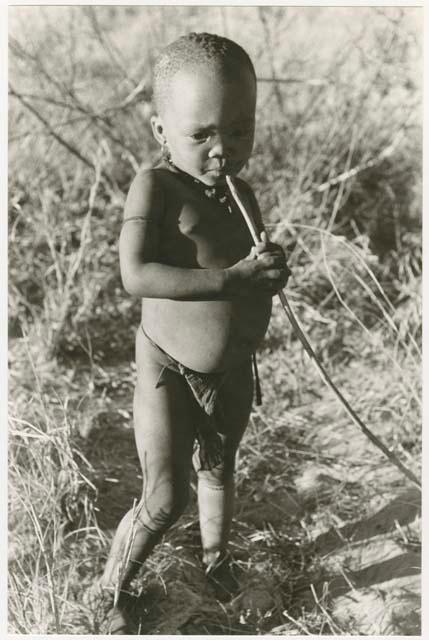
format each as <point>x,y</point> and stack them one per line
<point>207,336</point>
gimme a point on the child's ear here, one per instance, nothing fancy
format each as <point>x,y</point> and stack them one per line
<point>158,130</point>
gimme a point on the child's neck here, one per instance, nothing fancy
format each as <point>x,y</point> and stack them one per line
<point>220,193</point>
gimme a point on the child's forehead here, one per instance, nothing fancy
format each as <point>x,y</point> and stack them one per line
<point>206,123</point>
<point>199,79</point>
<point>200,97</point>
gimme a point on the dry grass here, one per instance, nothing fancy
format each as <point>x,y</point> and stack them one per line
<point>324,522</point>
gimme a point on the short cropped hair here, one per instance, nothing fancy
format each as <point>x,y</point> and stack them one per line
<point>196,49</point>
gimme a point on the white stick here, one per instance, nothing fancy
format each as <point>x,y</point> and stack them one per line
<point>313,357</point>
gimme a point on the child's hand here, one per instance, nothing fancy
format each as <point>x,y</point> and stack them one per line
<point>264,270</point>
<point>265,246</point>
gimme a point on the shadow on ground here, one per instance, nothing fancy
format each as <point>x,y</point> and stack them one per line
<point>111,450</point>
<point>376,581</point>
<point>401,510</point>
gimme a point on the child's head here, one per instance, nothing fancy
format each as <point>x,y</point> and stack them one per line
<point>205,96</point>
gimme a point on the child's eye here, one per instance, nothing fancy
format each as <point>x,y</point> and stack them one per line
<point>200,136</point>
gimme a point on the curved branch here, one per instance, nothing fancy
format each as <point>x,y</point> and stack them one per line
<point>67,145</point>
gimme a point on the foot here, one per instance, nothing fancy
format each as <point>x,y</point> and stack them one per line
<point>221,576</point>
<point>110,617</point>
<point>116,623</point>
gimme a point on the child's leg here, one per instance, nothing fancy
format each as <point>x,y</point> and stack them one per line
<point>216,487</point>
<point>164,432</point>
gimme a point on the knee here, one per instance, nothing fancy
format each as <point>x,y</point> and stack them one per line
<point>217,477</point>
<point>162,509</point>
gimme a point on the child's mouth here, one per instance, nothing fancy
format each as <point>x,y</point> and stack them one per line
<point>221,169</point>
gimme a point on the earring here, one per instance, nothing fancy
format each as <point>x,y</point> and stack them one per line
<point>165,151</point>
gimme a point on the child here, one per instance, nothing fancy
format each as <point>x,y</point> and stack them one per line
<point>186,251</point>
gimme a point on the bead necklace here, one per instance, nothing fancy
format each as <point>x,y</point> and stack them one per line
<point>219,193</point>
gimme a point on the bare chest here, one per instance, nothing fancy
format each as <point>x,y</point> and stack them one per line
<point>199,232</point>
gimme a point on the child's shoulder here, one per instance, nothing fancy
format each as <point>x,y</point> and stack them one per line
<point>148,180</point>
<point>149,185</point>
<point>146,194</point>
<point>152,182</point>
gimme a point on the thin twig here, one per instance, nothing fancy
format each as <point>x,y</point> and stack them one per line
<point>361,324</point>
<point>269,52</point>
<point>297,623</point>
<point>333,627</point>
<point>99,119</point>
<point>112,51</point>
<point>339,196</point>
<point>313,82</point>
<point>71,148</point>
<point>357,254</point>
<point>372,162</point>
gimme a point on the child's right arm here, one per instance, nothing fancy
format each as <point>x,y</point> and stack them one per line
<point>145,277</point>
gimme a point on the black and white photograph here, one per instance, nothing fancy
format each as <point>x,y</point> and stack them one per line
<point>214,319</point>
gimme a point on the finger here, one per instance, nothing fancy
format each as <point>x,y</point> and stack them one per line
<point>273,251</point>
<point>252,254</point>
<point>277,251</point>
<point>279,261</point>
<point>261,247</point>
<point>264,237</point>
<point>270,260</point>
<point>274,275</point>
<point>278,277</point>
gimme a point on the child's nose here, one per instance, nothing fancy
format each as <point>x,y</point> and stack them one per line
<point>220,146</point>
